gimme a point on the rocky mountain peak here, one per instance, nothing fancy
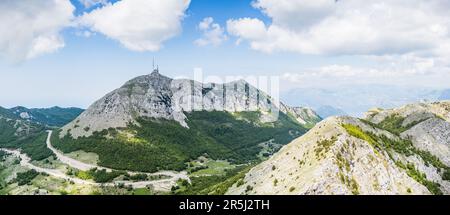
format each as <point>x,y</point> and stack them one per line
<point>157,96</point>
<point>153,80</point>
<point>304,115</point>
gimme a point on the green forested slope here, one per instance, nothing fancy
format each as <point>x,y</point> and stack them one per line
<point>54,116</point>
<point>163,144</point>
<point>24,135</point>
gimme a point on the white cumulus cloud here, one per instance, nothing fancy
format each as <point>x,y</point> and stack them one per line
<point>31,28</point>
<point>247,28</point>
<point>390,69</point>
<point>347,27</point>
<point>139,25</point>
<point>213,33</point>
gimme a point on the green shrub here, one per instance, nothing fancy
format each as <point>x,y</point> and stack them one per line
<point>3,155</point>
<point>393,123</point>
<point>412,172</point>
<point>359,133</point>
<point>138,177</point>
<point>354,187</point>
<point>102,176</point>
<point>430,159</point>
<point>26,177</point>
<point>323,146</point>
<point>217,184</point>
<point>85,175</point>
<point>240,182</point>
<point>183,182</point>
<point>248,188</point>
<point>446,174</point>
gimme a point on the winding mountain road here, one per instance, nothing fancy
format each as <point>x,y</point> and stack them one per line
<point>26,162</point>
<point>84,166</point>
<point>67,160</point>
<point>158,185</point>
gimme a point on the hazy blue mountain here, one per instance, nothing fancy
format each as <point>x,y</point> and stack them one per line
<point>54,116</point>
<point>357,99</point>
<point>327,111</point>
<point>445,95</point>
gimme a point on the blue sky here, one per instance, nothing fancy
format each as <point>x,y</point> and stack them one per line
<point>86,68</point>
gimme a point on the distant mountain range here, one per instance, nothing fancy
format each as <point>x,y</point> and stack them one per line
<point>355,100</point>
<point>19,122</point>
<point>54,116</point>
<point>327,111</point>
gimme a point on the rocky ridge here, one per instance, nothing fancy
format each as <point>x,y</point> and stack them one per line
<point>396,151</point>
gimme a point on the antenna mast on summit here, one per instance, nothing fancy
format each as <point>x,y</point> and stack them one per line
<point>155,69</point>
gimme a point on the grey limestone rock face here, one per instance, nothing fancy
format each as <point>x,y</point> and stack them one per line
<point>432,135</point>
<point>304,115</point>
<point>431,126</point>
